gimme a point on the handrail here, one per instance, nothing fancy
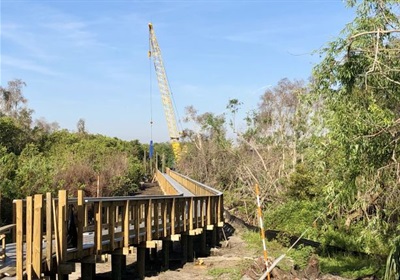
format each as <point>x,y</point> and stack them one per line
<point>116,223</point>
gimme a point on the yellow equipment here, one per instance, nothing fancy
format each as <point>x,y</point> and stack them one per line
<point>165,91</point>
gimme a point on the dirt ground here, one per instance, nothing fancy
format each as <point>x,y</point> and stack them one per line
<point>232,257</point>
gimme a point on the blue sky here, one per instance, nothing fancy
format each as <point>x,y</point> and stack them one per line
<point>88,59</point>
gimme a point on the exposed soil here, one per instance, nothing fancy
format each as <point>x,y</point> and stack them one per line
<point>234,256</point>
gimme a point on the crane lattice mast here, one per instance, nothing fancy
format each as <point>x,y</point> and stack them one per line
<point>165,91</point>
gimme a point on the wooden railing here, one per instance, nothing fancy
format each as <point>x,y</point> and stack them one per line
<point>104,225</point>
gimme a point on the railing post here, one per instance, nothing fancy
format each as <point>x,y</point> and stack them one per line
<point>19,238</point>
<point>148,217</point>
<point>49,232</point>
<point>81,221</point>
<point>164,209</point>
<point>137,209</point>
<point>209,210</point>
<point>172,216</point>
<point>98,233</point>
<point>62,228</point>
<point>156,219</point>
<point>111,225</point>
<point>220,209</point>
<point>126,224</point>
<point>191,204</point>
<point>29,233</point>
<point>37,237</point>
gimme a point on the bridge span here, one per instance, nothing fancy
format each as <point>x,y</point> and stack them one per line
<point>45,249</point>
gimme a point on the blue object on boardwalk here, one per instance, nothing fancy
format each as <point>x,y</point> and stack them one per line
<point>151,151</point>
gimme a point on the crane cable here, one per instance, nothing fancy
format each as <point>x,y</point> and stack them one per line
<point>151,103</point>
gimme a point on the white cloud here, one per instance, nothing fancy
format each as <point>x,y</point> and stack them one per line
<point>28,65</point>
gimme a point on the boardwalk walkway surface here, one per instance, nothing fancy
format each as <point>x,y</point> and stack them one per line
<point>115,225</point>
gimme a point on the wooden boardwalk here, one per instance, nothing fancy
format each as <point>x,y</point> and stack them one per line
<point>112,225</point>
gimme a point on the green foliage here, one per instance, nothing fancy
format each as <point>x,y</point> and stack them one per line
<point>301,183</point>
<point>43,159</point>
<point>34,174</point>
<point>12,136</point>
<point>301,255</point>
<point>294,217</point>
<point>393,261</point>
<point>227,272</point>
<point>351,266</point>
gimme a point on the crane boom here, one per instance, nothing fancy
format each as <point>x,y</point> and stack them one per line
<point>165,91</point>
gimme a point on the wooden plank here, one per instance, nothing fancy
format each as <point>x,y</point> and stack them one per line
<point>156,219</point>
<point>49,233</point>
<point>29,232</point>
<point>62,224</point>
<point>126,223</point>
<point>98,227</point>
<point>164,209</point>
<point>14,235</point>
<point>209,210</point>
<point>202,212</point>
<point>6,228</point>
<point>137,222</point>
<point>81,220</point>
<point>172,216</point>
<point>19,238</point>
<point>220,209</point>
<point>111,227</point>
<point>190,206</point>
<point>184,209</point>
<point>148,217</point>
<point>37,237</point>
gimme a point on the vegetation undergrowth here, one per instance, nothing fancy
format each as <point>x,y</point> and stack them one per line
<point>234,273</point>
<point>339,263</point>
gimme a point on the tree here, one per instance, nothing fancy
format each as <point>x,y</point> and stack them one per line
<point>81,126</point>
<point>357,145</point>
<point>13,103</point>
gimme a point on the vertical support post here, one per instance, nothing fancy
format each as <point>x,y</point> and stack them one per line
<point>49,233</point>
<point>149,220</point>
<point>202,212</point>
<point>126,224</point>
<point>141,260</point>
<point>190,251</point>
<point>137,209</point>
<point>62,228</point>
<point>123,264</point>
<point>29,236</point>
<point>98,234</point>
<point>88,270</point>
<point>156,219</point>
<point>111,227</point>
<point>220,211</point>
<point>214,237</point>
<point>203,243</point>
<point>19,238</point>
<point>14,230</point>
<point>184,246</point>
<point>81,219</point>
<point>172,216</point>
<point>209,210</point>
<point>164,209</point>
<point>166,250</point>
<point>191,204</point>
<point>163,163</point>
<point>116,266</point>
<point>37,237</point>
<point>184,209</point>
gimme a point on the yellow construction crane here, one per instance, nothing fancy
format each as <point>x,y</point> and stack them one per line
<point>165,91</point>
